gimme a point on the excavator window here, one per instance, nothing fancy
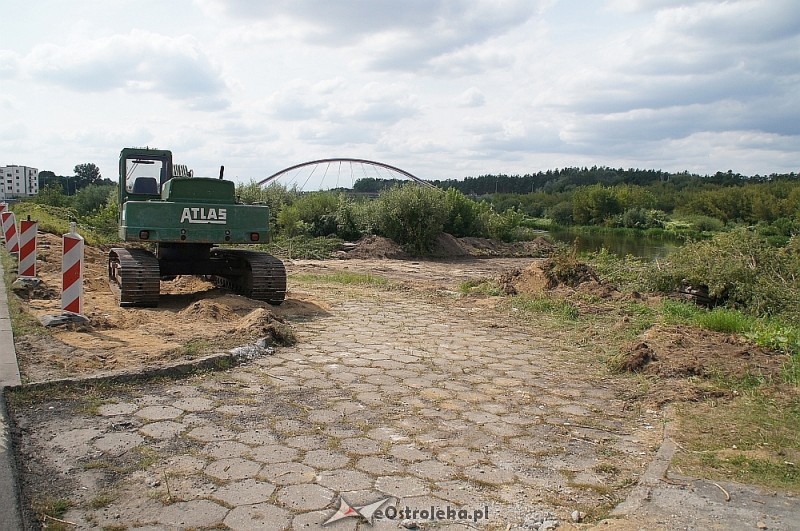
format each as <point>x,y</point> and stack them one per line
<point>144,176</point>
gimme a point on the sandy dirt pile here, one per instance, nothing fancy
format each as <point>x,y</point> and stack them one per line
<point>193,318</point>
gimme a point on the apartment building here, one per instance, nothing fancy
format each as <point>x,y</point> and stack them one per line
<point>18,181</point>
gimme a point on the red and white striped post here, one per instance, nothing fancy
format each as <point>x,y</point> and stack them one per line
<point>10,231</point>
<point>72,272</point>
<point>27,248</point>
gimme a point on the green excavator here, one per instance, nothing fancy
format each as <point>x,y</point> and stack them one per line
<point>185,219</point>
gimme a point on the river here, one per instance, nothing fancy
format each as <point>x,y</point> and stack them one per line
<point>619,244</point>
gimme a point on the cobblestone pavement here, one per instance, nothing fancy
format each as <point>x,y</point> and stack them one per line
<point>389,394</point>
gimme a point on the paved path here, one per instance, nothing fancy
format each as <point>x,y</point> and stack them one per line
<point>9,375</point>
<point>397,396</point>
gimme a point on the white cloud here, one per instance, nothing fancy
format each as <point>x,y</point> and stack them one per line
<point>140,61</point>
<point>472,97</point>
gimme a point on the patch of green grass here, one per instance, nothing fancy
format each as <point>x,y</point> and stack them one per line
<point>196,347</point>
<point>347,278</point>
<point>103,499</point>
<point>543,304</point>
<point>48,507</point>
<point>754,438</point>
<point>479,287</point>
<point>22,323</point>
<point>725,320</point>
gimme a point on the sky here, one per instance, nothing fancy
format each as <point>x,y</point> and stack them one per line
<point>440,88</point>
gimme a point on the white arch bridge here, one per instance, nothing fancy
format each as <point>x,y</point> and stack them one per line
<point>340,171</point>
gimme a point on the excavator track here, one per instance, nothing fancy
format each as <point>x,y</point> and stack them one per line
<point>134,277</point>
<point>255,275</point>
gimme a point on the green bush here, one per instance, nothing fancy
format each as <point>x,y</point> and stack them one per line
<point>313,214</point>
<point>465,217</point>
<point>739,268</point>
<point>413,216</point>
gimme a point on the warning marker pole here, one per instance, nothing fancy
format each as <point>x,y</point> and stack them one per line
<point>72,272</point>
<point>27,248</point>
<point>10,231</point>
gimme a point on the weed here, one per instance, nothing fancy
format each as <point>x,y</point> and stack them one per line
<point>479,287</point>
<point>104,499</point>
<point>556,307</point>
<point>725,320</point>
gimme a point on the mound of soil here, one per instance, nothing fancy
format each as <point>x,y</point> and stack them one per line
<point>529,281</point>
<point>448,246</point>
<point>376,247</point>
<point>208,309</point>
<point>682,360</point>
<point>263,323</point>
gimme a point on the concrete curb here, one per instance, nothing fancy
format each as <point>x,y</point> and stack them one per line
<point>9,376</point>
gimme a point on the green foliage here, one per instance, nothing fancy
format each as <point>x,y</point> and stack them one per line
<point>348,278</point>
<point>312,214</point>
<point>52,195</point>
<point>561,213</point>
<point>640,218</point>
<point>725,320</point>
<point>543,304</point>
<point>92,197</point>
<point>413,216</point>
<point>465,217</point>
<point>739,268</point>
<point>356,218</point>
<point>593,205</point>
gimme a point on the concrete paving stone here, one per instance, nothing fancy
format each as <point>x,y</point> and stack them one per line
<point>116,444</point>
<point>159,413</point>
<point>197,513</point>
<point>193,420</point>
<point>75,442</point>
<point>150,400</point>
<point>235,410</point>
<point>232,468</point>
<point>460,456</point>
<point>166,429</point>
<point>409,453</point>
<point>246,492</point>
<point>401,486</point>
<point>194,404</point>
<point>432,470</point>
<point>273,453</point>
<point>387,434</point>
<point>225,449</point>
<point>187,487</point>
<point>320,383</point>
<point>325,416</point>
<point>460,493</point>
<point>343,480</point>
<point>307,442</point>
<point>120,408</point>
<point>315,519</point>
<point>380,465</point>
<point>348,407</point>
<point>260,517</point>
<point>292,426</point>
<point>287,473</point>
<point>255,437</point>
<point>340,431</point>
<point>211,433</point>
<point>501,429</point>
<point>184,464</point>
<point>325,459</point>
<point>374,398</point>
<point>360,446</point>
<point>306,497</point>
<point>484,474</point>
